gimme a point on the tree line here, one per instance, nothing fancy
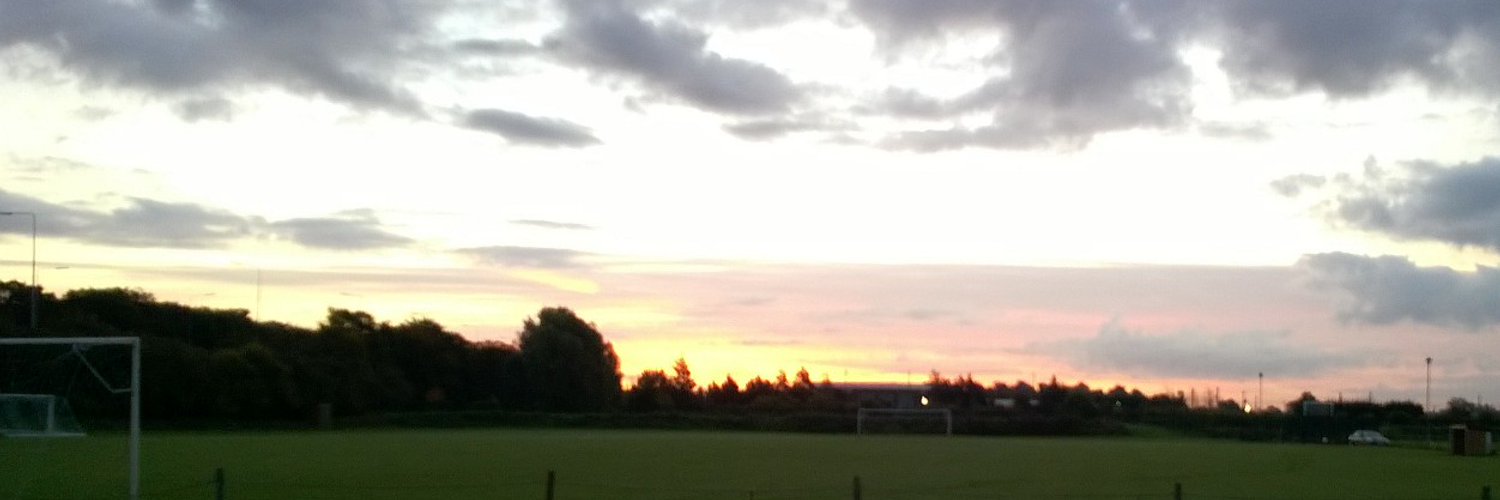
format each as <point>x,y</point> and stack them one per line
<point>200,362</point>
<point>206,363</point>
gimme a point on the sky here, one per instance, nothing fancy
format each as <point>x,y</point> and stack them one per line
<point>1171,195</point>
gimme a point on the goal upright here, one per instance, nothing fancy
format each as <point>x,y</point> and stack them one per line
<point>134,389</point>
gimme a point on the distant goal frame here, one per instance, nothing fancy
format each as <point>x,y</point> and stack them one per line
<point>859,419</point>
<point>135,389</point>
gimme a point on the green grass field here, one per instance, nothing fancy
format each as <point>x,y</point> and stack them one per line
<point>500,464</point>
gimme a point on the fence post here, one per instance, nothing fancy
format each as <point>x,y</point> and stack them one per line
<point>219,483</point>
<point>1176,491</point>
<point>1484,493</point>
<point>551,482</point>
<point>858,492</point>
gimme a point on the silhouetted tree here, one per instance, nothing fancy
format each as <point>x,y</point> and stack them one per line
<point>724,395</point>
<point>1295,406</point>
<point>652,392</point>
<point>569,365</point>
<point>683,387</point>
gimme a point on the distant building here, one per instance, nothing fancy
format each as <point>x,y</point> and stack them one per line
<point>876,395</point>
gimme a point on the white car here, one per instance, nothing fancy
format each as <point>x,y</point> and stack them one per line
<point>1368,437</point>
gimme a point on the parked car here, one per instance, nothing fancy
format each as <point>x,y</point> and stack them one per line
<point>1368,437</point>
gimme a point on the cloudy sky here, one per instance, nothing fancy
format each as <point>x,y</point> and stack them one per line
<point>1166,194</point>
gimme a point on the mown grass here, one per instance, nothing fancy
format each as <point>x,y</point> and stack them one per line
<point>590,464</point>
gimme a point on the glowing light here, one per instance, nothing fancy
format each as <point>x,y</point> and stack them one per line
<point>924,400</point>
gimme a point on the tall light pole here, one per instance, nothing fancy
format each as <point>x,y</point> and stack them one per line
<point>1260,395</point>
<point>1426,410</point>
<point>35,293</point>
<point>1429,385</point>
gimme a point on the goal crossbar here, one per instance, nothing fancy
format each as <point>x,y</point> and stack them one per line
<point>134,389</point>
<point>947,415</point>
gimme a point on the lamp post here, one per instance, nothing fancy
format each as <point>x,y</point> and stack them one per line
<point>35,293</point>
<point>1426,410</point>
<point>1429,385</point>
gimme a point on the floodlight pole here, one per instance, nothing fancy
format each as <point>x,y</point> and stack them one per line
<point>1260,396</point>
<point>35,293</point>
<point>1429,385</point>
<point>1426,410</point>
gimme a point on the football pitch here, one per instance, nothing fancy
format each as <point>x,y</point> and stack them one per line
<point>607,464</point>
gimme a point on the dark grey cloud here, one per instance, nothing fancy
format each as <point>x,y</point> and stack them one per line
<point>531,257</point>
<point>352,230</point>
<point>774,128</point>
<point>1190,354</point>
<point>210,108</point>
<point>140,223</point>
<point>1352,48</point>
<point>1293,186</point>
<point>519,128</point>
<point>495,47</point>
<point>1071,70</point>
<point>1458,204</point>
<point>149,223</point>
<point>668,58</point>
<point>547,224</point>
<point>1067,71</point>
<point>347,51</point>
<point>1387,290</point>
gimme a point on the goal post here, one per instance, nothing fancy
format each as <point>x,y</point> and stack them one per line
<point>36,415</point>
<point>134,389</point>
<point>868,418</point>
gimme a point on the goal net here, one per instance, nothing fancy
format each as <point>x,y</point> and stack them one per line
<point>43,382</point>
<point>904,421</point>
<point>37,415</point>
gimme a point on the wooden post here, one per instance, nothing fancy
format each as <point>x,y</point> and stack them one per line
<point>219,483</point>
<point>1176,491</point>
<point>858,493</point>
<point>551,483</point>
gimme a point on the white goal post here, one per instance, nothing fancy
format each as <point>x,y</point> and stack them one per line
<point>904,414</point>
<point>36,415</point>
<point>134,389</point>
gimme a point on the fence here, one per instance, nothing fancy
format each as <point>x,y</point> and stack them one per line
<point>548,488</point>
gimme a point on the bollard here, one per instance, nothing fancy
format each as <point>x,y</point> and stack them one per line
<point>858,494</point>
<point>219,483</point>
<point>551,482</point>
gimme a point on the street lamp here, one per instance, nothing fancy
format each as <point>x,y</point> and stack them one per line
<point>1429,385</point>
<point>1260,395</point>
<point>1427,410</point>
<point>35,293</point>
